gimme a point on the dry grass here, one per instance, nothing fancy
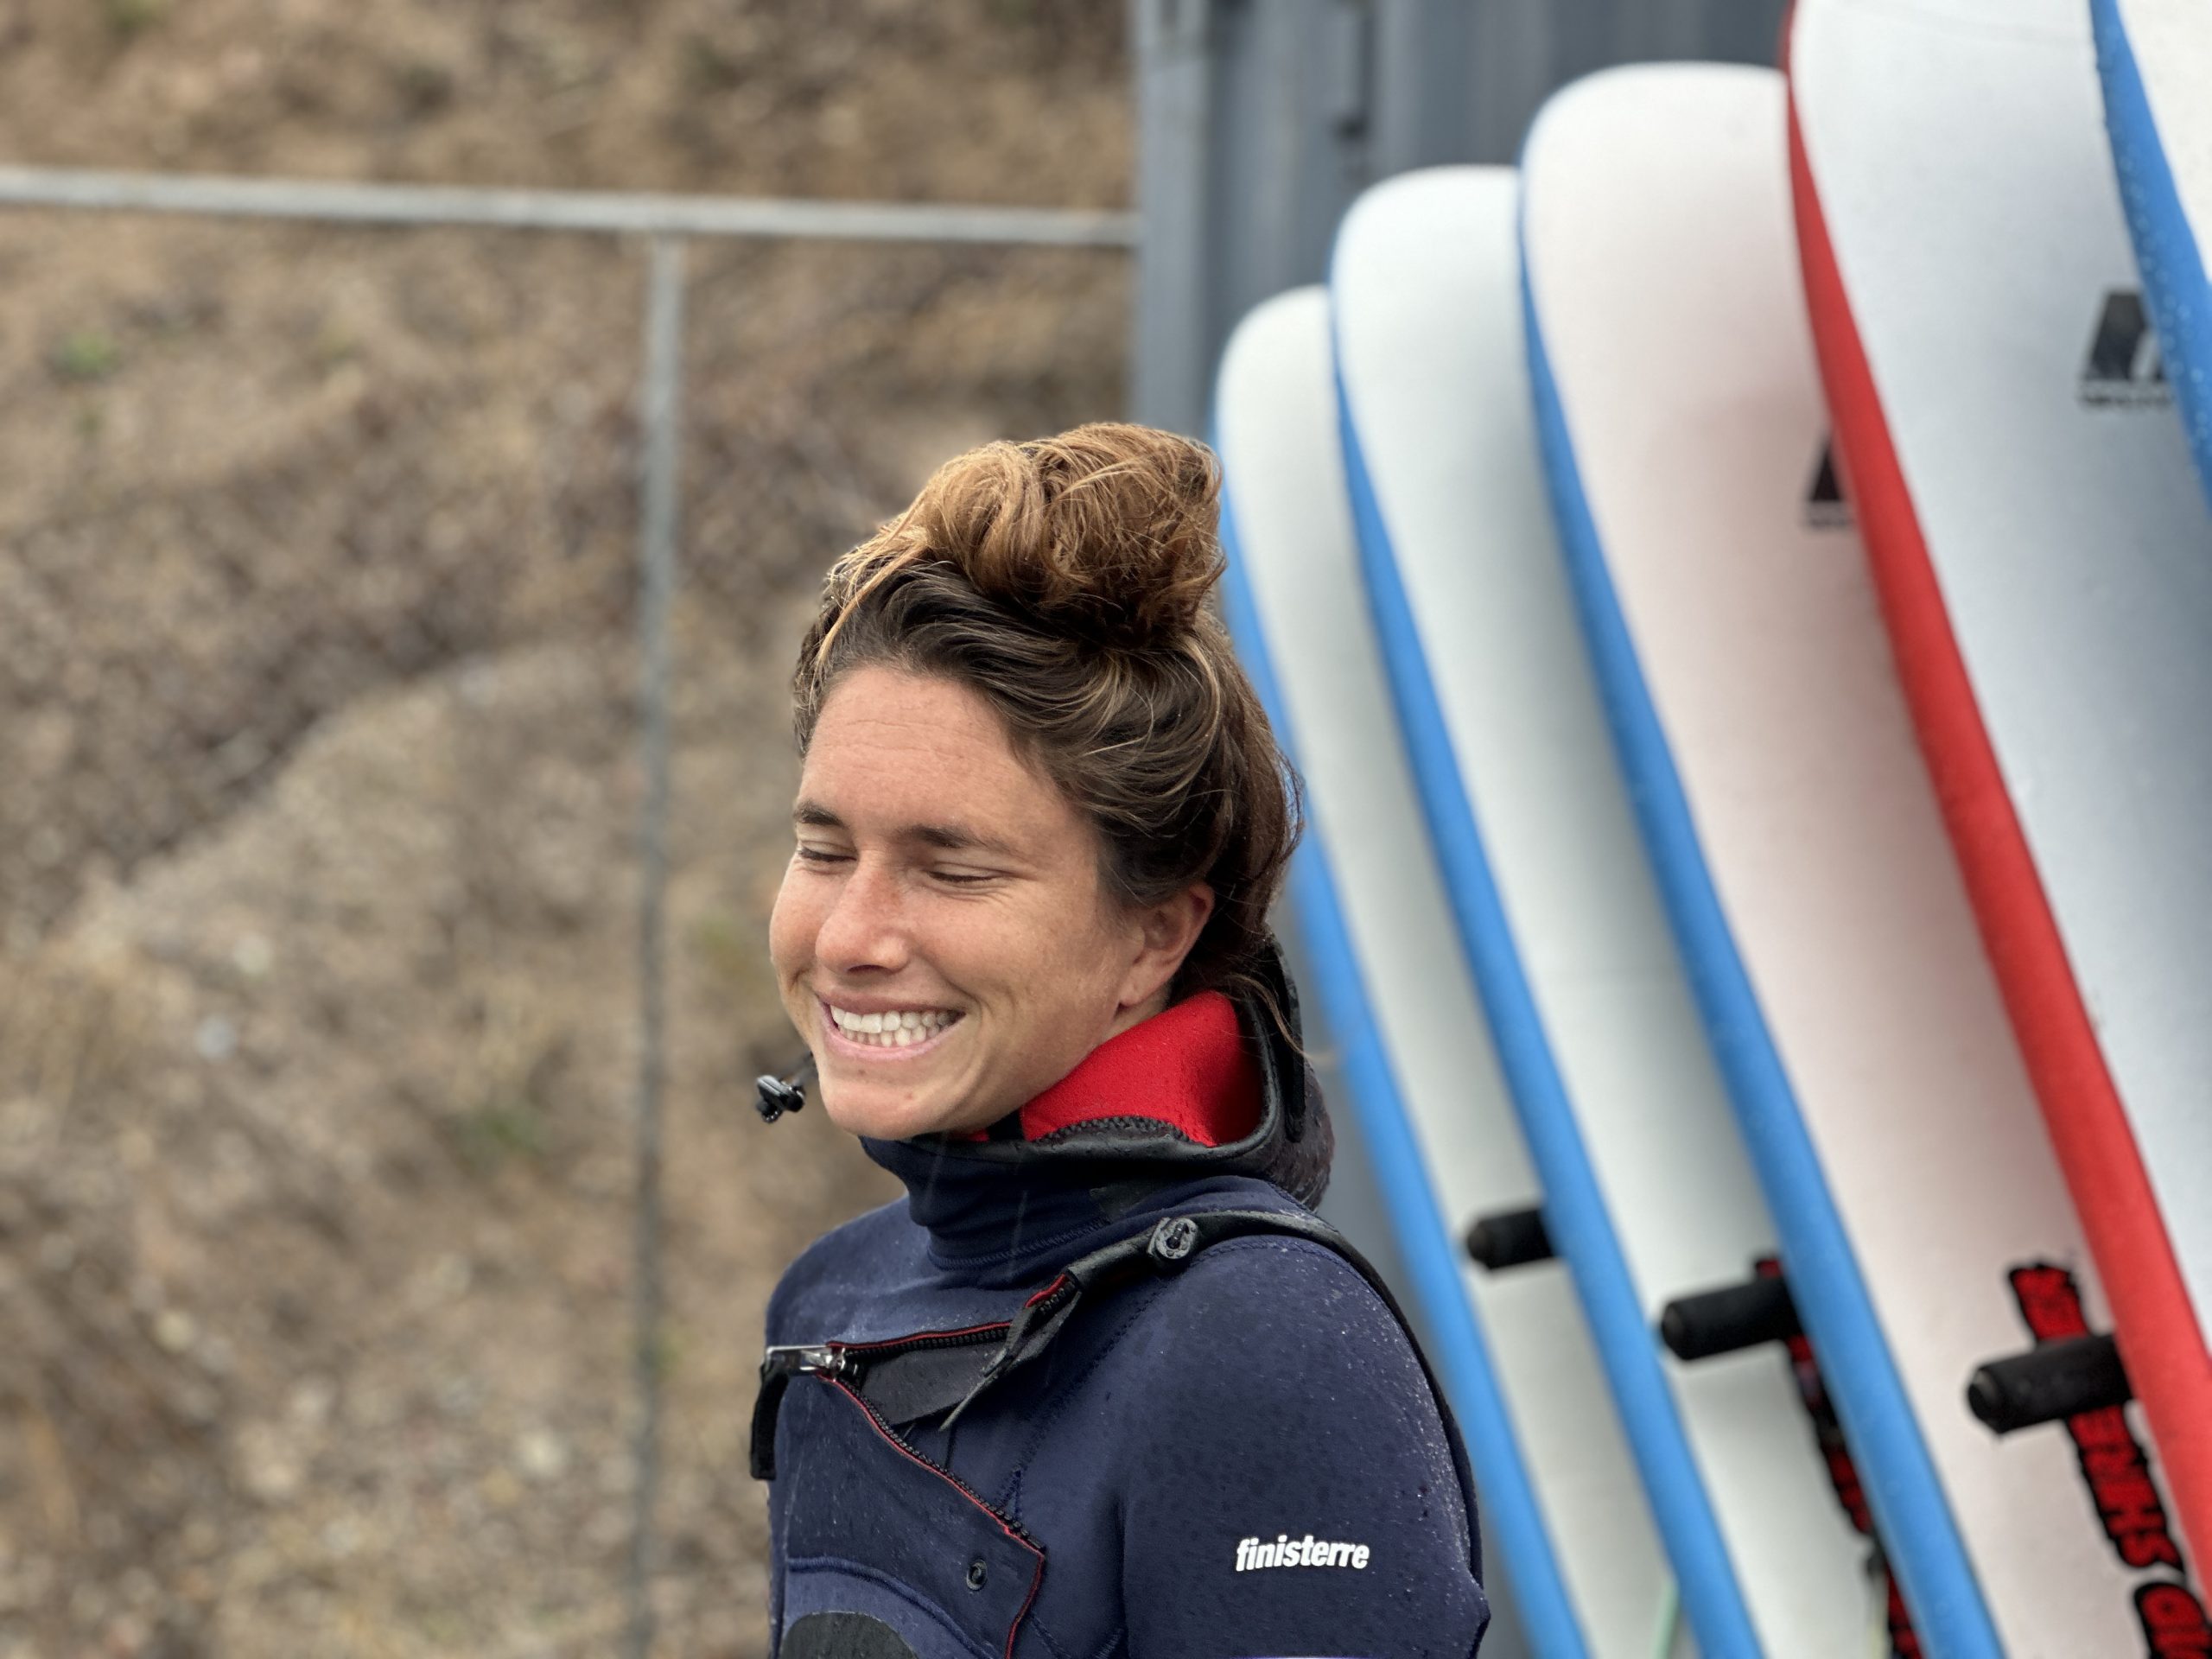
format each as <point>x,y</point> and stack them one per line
<point>316,792</point>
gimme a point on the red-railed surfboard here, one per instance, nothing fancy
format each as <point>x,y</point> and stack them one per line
<point>2045,565</point>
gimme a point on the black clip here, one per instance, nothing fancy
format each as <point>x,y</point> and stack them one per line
<point>784,1093</point>
<point>1173,1238</point>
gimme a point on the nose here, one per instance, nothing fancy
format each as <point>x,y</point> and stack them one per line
<point>865,926</point>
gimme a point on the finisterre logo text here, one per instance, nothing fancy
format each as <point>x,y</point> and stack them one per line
<point>1253,1554</point>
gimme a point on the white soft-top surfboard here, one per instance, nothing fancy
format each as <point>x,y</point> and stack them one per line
<point>2155,58</point>
<point>1792,824</point>
<point>1560,1495</point>
<point>1649,1195</point>
<point>2045,563</point>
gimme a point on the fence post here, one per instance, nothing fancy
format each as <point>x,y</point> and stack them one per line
<point>660,435</point>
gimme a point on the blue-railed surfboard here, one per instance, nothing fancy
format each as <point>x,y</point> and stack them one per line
<point>1796,837</point>
<point>1559,1496</point>
<point>1649,1195</point>
<point>2155,58</point>
<point>2045,560</point>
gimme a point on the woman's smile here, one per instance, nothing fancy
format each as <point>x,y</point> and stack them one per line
<point>881,1033</point>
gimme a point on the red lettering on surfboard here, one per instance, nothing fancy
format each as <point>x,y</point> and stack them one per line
<point>1904,1640</point>
<point>1843,1471</point>
<point>2174,1621</point>
<point>2113,1462</point>
<point>2049,1302</point>
<point>1828,1433</point>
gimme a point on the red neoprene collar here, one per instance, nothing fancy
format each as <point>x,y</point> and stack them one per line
<point>1188,1066</point>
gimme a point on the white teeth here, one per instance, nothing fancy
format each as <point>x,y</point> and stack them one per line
<point>900,1028</point>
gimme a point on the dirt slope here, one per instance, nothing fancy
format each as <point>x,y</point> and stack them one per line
<point>317,966</point>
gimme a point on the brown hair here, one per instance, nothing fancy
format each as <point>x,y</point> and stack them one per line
<point>1065,581</point>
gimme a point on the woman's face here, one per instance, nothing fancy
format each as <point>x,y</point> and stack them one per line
<point>943,939</point>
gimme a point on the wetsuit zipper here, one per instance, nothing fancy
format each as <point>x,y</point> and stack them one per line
<point>846,1364</point>
<point>870,1352</point>
<point>844,1367</point>
<point>1012,1527</point>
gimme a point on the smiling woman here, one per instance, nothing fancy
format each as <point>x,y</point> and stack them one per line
<point>944,937</point>
<point>1041,820</point>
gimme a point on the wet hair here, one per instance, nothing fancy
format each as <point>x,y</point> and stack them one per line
<point>1067,580</point>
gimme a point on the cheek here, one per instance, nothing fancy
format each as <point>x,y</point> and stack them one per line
<point>1045,960</point>
<point>792,925</point>
<point>1088,946</point>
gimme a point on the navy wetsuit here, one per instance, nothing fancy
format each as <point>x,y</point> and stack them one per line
<point>1243,1458</point>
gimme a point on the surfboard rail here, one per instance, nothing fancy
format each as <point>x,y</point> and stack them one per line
<point>2057,1036</point>
<point>1514,1516</point>
<point>1557,916</point>
<point>1903,1490</point>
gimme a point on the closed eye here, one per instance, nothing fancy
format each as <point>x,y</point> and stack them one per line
<point>822,856</point>
<point>964,878</point>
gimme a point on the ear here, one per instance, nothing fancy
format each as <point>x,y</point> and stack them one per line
<point>1165,932</point>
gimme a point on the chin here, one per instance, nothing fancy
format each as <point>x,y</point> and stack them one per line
<point>885,1114</point>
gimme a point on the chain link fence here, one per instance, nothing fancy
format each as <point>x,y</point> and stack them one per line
<point>393,767</point>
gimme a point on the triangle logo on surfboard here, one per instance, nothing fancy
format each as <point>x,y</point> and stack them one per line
<point>1825,508</point>
<point>2124,370</point>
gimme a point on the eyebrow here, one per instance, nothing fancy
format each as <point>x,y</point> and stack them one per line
<point>946,837</point>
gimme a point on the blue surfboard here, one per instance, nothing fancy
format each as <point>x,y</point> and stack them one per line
<point>1649,1196</point>
<point>1560,1500</point>
<point>1796,837</point>
<point>2155,59</point>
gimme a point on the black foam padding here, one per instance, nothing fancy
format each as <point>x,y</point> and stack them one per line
<point>1509,1238</point>
<point>1728,1320</point>
<point>2049,1382</point>
<point>843,1636</point>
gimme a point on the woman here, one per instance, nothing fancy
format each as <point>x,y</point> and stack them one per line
<point>1101,1385</point>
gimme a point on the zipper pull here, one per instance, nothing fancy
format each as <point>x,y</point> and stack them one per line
<point>778,1364</point>
<point>805,1359</point>
<point>1037,1313</point>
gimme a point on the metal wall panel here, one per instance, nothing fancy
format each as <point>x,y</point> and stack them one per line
<point>1259,120</point>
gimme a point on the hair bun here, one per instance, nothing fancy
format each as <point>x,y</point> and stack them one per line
<point>1107,532</point>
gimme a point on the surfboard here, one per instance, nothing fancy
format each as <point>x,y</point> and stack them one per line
<point>2045,560</point>
<point>1560,1496</point>
<point>1649,1194</point>
<point>2154,58</point>
<point>1796,838</point>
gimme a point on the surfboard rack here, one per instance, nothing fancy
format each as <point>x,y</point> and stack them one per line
<point>2053,1380</point>
<point>1731,1319</point>
<point>1509,1238</point>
